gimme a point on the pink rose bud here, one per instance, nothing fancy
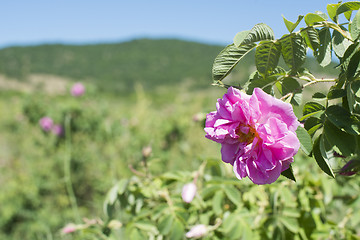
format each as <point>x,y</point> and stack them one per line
<point>69,228</point>
<point>46,123</point>
<point>188,192</point>
<point>58,130</point>
<point>197,231</point>
<point>77,89</point>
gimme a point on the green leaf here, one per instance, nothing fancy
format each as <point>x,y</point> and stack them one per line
<point>312,124</point>
<point>267,56</point>
<point>312,18</point>
<point>233,194</point>
<point>348,6</point>
<point>336,93</point>
<point>348,15</point>
<point>353,96</point>
<point>293,51</point>
<point>259,32</point>
<point>217,202</point>
<point>319,95</point>
<point>177,230</point>
<point>228,59</point>
<point>340,43</point>
<point>311,108</point>
<point>353,66</point>
<point>344,143</point>
<point>290,25</point>
<point>343,120</point>
<point>259,81</point>
<point>209,191</point>
<point>323,163</point>
<point>239,37</point>
<point>355,27</point>
<point>290,223</point>
<point>288,173</point>
<point>289,85</point>
<point>331,9</point>
<point>323,55</point>
<point>326,148</point>
<point>165,224</point>
<point>305,140</point>
<point>311,38</point>
<point>146,226</point>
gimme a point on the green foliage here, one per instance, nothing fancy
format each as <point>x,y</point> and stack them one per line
<point>231,209</point>
<point>332,118</point>
<point>115,67</point>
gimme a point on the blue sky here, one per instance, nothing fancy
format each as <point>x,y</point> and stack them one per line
<point>91,21</point>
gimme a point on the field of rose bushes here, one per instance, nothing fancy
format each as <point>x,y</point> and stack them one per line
<point>144,147</point>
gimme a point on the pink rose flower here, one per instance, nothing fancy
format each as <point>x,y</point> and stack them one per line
<point>257,134</point>
<point>46,123</point>
<point>197,231</point>
<point>188,192</point>
<point>77,89</point>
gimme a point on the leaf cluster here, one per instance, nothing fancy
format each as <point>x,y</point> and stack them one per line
<point>331,117</point>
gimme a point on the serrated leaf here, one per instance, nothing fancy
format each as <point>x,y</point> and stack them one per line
<point>348,6</point>
<point>290,25</point>
<point>259,32</point>
<point>323,55</point>
<point>331,9</point>
<point>344,143</point>
<point>305,140</point>
<point>311,38</point>
<point>228,58</point>
<point>311,108</point>
<point>288,173</point>
<point>343,120</point>
<point>293,51</point>
<point>323,163</point>
<point>267,56</point>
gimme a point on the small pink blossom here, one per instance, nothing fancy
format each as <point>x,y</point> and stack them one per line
<point>197,231</point>
<point>46,123</point>
<point>188,192</point>
<point>69,228</point>
<point>77,90</point>
<point>256,133</point>
<point>58,130</point>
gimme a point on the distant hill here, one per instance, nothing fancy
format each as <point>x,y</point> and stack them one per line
<point>115,66</point>
<point>119,66</point>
